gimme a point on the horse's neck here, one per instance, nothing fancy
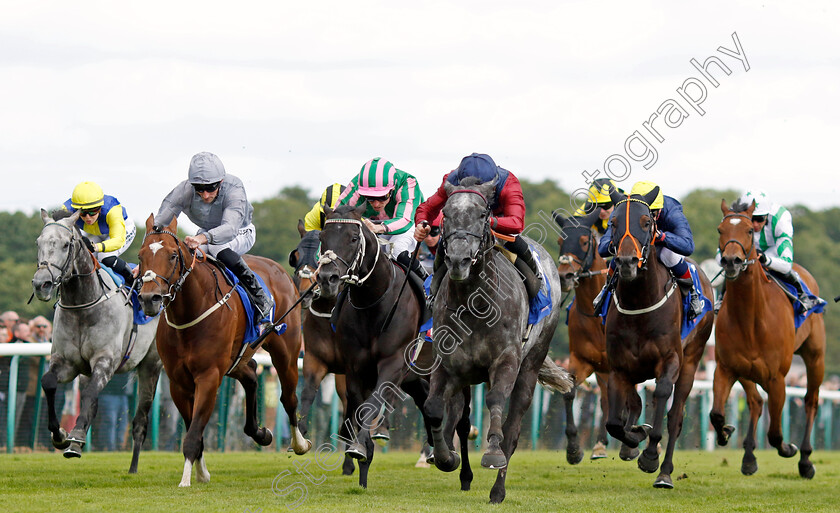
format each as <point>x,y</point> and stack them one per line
<point>82,283</point>
<point>380,277</point>
<point>749,288</point>
<point>484,275</point>
<point>648,287</point>
<point>198,292</point>
<point>589,287</point>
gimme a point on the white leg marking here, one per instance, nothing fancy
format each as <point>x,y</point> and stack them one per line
<point>201,473</point>
<point>185,479</point>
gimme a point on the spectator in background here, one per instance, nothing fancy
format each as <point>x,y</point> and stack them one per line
<point>5,335</point>
<point>111,421</point>
<point>41,329</point>
<point>26,387</point>
<point>9,319</point>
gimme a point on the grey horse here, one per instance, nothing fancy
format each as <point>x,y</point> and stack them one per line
<point>481,333</point>
<point>93,328</point>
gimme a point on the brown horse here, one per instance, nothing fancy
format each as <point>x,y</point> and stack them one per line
<point>584,271</point>
<point>200,338</point>
<point>643,337</point>
<point>756,340</point>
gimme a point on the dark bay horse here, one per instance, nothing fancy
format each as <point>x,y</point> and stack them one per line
<point>93,333</point>
<point>321,354</point>
<point>584,271</point>
<point>375,364</point>
<point>481,334</point>
<point>756,340</point>
<point>643,337</point>
<point>201,334</point>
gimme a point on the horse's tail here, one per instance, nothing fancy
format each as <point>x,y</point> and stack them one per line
<point>554,377</point>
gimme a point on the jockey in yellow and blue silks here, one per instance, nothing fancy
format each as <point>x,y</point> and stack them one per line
<point>598,196</point>
<point>105,224</point>
<point>673,239</point>
<point>314,219</point>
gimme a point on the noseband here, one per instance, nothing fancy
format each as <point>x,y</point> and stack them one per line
<point>181,268</point>
<point>353,268</point>
<point>463,234</point>
<point>748,261</point>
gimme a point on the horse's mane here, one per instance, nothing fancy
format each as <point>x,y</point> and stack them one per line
<point>60,213</point>
<point>738,206</point>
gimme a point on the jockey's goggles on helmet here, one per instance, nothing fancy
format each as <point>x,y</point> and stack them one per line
<point>605,206</point>
<point>371,199</point>
<point>90,212</point>
<point>206,187</point>
<point>759,219</point>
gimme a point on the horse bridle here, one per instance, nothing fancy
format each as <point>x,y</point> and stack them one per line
<point>643,252</point>
<point>585,264</point>
<point>748,261</point>
<point>463,234</point>
<point>45,264</point>
<point>330,256</point>
<point>181,268</point>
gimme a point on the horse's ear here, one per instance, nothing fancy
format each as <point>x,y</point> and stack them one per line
<point>724,206</point>
<point>488,189</point>
<point>559,219</point>
<point>448,188</point>
<point>616,196</point>
<point>150,223</point>
<point>327,211</point>
<point>45,217</point>
<point>173,225</point>
<point>651,195</point>
<point>301,228</point>
<point>360,210</point>
<point>751,209</point>
<point>592,217</point>
<point>293,258</point>
<point>70,221</point>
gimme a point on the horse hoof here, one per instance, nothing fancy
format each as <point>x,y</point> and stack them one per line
<point>473,434</point>
<point>453,464</point>
<point>647,464</point>
<point>380,435</point>
<point>263,436</point>
<point>62,442</point>
<point>788,450</point>
<point>599,451</point>
<point>356,451</point>
<point>725,433</point>
<point>663,481</point>
<point>628,453</point>
<point>494,461</point>
<point>574,455</point>
<point>749,466</point>
<point>807,469</point>
<point>74,451</point>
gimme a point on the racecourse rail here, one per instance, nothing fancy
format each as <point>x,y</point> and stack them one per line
<point>830,403</point>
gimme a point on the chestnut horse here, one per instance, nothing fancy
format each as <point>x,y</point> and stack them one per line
<point>643,337</point>
<point>202,333</point>
<point>584,271</point>
<point>756,340</point>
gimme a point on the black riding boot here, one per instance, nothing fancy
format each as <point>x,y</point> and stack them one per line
<point>261,301</point>
<point>404,258</point>
<point>792,277</point>
<point>120,267</point>
<point>688,289</point>
<point>526,265</point>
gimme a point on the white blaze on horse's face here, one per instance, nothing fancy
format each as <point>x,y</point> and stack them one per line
<point>735,221</point>
<point>155,246</point>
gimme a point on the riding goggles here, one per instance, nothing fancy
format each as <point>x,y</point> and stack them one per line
<point>206,187</point>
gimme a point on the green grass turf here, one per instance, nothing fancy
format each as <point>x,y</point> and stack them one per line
<point>539,481</point>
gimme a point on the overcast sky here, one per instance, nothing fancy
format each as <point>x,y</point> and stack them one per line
<point>304,93</point>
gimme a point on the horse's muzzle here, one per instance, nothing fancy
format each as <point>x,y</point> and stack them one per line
<point>567,280</point>
<point>151,302</point>
<point>627,266</point>
<point>732,266</point>
<point>329,283</point>
<point>459,268</point>
<point>42,285</point>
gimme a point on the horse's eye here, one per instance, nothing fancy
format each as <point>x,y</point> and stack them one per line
<point>173,256</point>
<point>355,239</point>
<point>66,245</point>
<point>751,231</point>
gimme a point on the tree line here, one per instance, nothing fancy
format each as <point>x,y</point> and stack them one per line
<point>816,241</point>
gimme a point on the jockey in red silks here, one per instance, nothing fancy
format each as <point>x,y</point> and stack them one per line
<point>508,215</point>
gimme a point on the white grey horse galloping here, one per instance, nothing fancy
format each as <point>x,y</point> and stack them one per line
<point>92,331</point>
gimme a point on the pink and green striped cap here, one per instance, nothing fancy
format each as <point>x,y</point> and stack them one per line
<point>376,178</point>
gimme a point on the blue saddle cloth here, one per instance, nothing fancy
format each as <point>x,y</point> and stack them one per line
<point>799,312</point>
<point>140,318</point>
<point>251,330</point>
<point>686,326</point>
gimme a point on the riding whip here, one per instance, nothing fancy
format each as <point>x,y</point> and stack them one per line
<point>256,343</point>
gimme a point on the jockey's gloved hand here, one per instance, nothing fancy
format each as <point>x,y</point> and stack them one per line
<point>88,244</point>
<point>762,258</point>
<point>659,238</point>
